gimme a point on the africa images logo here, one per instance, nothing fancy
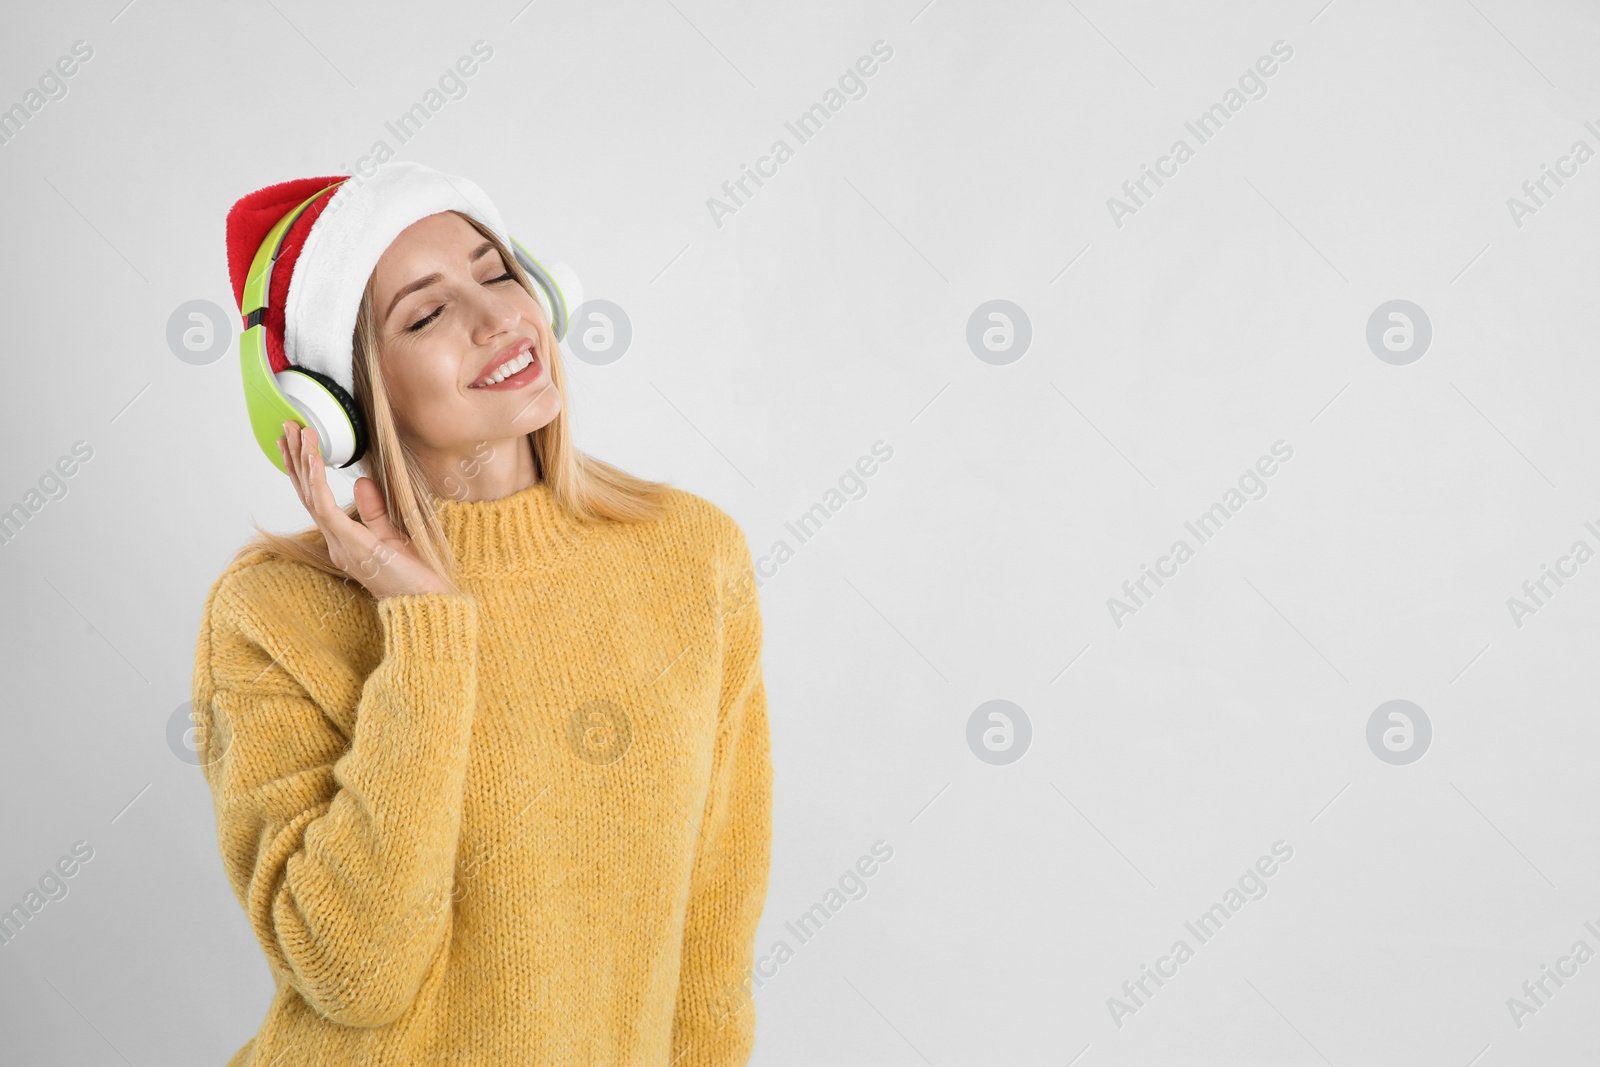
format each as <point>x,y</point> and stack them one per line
<point>852,85</point>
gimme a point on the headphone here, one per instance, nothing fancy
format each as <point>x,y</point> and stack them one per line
<point>310,398</point>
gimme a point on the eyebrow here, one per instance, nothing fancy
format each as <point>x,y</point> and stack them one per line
<point>429,279</point>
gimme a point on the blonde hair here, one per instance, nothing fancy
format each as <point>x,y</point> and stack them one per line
<point>589,489</point>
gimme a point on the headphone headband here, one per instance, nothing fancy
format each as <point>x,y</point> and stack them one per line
<point>258,281</point>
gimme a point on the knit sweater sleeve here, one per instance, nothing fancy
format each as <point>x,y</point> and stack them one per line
<point>339,832</point>
<point>714,1022</point>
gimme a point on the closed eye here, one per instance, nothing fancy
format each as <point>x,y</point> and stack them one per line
<point>420,323</point>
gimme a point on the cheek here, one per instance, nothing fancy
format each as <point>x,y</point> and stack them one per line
<point>421,377</point>
<point>532,311</point>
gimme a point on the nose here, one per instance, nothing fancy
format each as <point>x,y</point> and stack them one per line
<point>496,310</point>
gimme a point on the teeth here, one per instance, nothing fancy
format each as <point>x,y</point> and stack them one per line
<point>506,370</point>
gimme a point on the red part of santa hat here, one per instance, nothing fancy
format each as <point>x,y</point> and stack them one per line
<point>250,219</point>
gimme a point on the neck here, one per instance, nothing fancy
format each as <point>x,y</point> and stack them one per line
<point>484,470</point>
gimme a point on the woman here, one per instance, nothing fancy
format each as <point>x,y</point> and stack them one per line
<point>488,748</point>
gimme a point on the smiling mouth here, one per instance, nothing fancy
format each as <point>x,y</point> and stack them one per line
<point>515,372</point>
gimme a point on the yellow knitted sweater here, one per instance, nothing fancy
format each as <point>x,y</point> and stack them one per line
<point>525,825</point>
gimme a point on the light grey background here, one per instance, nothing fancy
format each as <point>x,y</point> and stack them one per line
<point>769,354</point>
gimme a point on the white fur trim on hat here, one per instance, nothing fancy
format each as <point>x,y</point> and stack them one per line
<point>344,245</point>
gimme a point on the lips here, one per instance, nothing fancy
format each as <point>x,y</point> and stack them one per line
<point>533,372</point>
<point>505,355</point>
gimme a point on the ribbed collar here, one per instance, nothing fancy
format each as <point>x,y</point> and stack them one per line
<point>527,529</point>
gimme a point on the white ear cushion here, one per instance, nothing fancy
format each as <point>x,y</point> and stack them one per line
<point>571,287</point>
<point>322,413</point>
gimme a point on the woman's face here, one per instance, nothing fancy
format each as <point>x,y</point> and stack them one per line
<point>449,314</point>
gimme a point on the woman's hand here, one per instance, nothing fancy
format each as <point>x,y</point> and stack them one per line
<point>371,551</point>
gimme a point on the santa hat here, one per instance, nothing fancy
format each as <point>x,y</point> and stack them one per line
<point>329,253</point>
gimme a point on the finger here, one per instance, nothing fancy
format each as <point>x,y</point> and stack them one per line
<point>308,462</point>
<point>288,464</point>
<point>316,476</point>
<point>309,453</point>
<point>325,509</point>
<point>369,502</point>
<point>304,476</point>
<point>291,436</point>
<point>289,468</point>
<point>306,451</point>
<point>374,512</point>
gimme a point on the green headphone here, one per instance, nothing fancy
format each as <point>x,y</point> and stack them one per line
<point>314,399</point>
